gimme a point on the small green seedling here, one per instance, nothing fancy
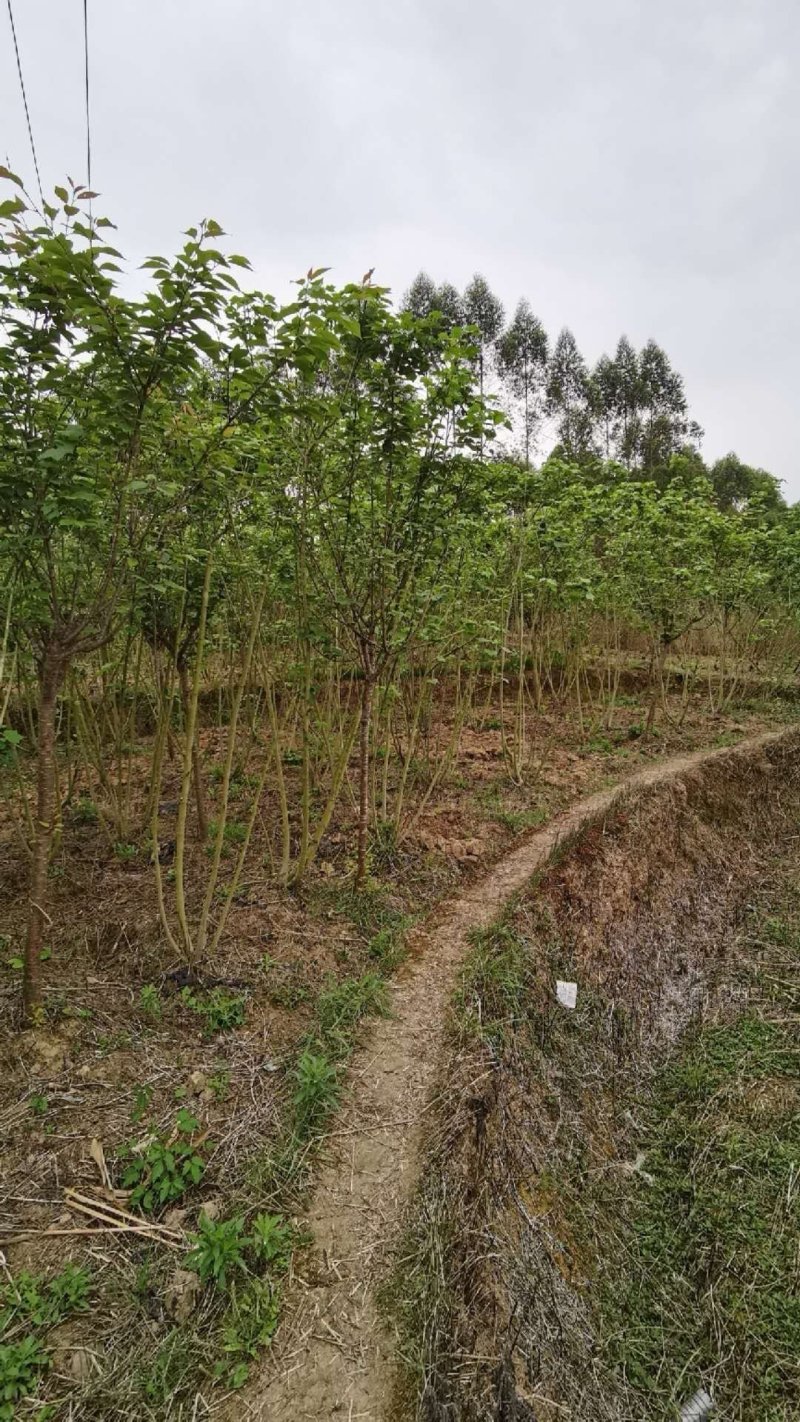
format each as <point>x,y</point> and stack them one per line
<point>218,1249</point>
<point>150,1002</point>
<point>219,1010</point>
<point>162,1170</point>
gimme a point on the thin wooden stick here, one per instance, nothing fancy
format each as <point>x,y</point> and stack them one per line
<point>109,1210</point>
<point>99,1229</point>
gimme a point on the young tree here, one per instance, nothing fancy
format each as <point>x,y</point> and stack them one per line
<point>94,418</point>
<point>393,425</point>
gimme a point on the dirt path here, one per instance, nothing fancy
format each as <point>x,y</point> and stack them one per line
<point>334,1359</point>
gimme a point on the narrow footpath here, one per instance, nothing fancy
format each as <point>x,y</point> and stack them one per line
<point>333,1358</point>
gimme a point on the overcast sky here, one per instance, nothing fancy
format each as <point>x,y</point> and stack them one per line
<point>628,165</point>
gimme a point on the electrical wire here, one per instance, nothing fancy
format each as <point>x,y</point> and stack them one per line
<point>86,87</point>
<point>25,100</point>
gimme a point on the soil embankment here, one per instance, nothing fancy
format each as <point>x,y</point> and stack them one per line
<point>650,873</point>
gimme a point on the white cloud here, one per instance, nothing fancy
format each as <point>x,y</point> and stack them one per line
<point>630,167</point>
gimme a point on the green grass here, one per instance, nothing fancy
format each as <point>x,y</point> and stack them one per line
<point>517,820</point>
<point>711,1286</point>
<point>673,1204</point>
<point>491,995</point>
<point>709,1291</point>
<point>244,1256</point>
<point>341,1006</point>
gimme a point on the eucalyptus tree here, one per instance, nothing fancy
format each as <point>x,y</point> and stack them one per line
<point>420,299</point>
<point>604,395</point>
<point>625,403</point>
<point>522,352</point>
<point>568,395</point>
<point>424,297</point>
<point>450,305</point>
<point>665,425</point>
<point>483,311</point>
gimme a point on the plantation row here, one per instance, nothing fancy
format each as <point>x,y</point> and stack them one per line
<point>311,527</point>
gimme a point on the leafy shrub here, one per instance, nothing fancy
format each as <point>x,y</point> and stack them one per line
<point>316,1091</point>
<point>219,1083</point>
<point>233,832</point>
<point>218,1248</point>
<point>21,1366</point>
<point>143,1095</point>
<point>150,1002</point>
<point>85,811</point>
<point>10,740</point>
<point>219,1010</point>
<point>165,1169</point>
<point>42,1303</point>
<point>272,1239</point>
<point>288,990</point>
<point>68,1292</point>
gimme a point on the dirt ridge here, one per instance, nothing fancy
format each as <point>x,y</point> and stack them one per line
<point>333,1358</point>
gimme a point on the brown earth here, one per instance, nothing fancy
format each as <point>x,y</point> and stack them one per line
<point>334,1357</point>
<point>85,1074</point>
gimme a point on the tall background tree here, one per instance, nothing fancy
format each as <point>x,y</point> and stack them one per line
<point>484,311</point>
<point>569,397</point>
<point>522,352</point>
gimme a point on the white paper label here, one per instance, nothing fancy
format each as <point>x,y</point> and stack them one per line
<point>567,993</point>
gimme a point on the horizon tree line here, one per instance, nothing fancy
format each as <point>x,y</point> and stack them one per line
<point>630,408</point>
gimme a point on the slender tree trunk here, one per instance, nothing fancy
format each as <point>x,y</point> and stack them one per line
<point>197,773</point>
<point>367,690</point>
<point>51,671</point>
<point>657,683</point>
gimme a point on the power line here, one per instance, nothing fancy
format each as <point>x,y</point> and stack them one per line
<point>25,101</point>
<point>86,76</point>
